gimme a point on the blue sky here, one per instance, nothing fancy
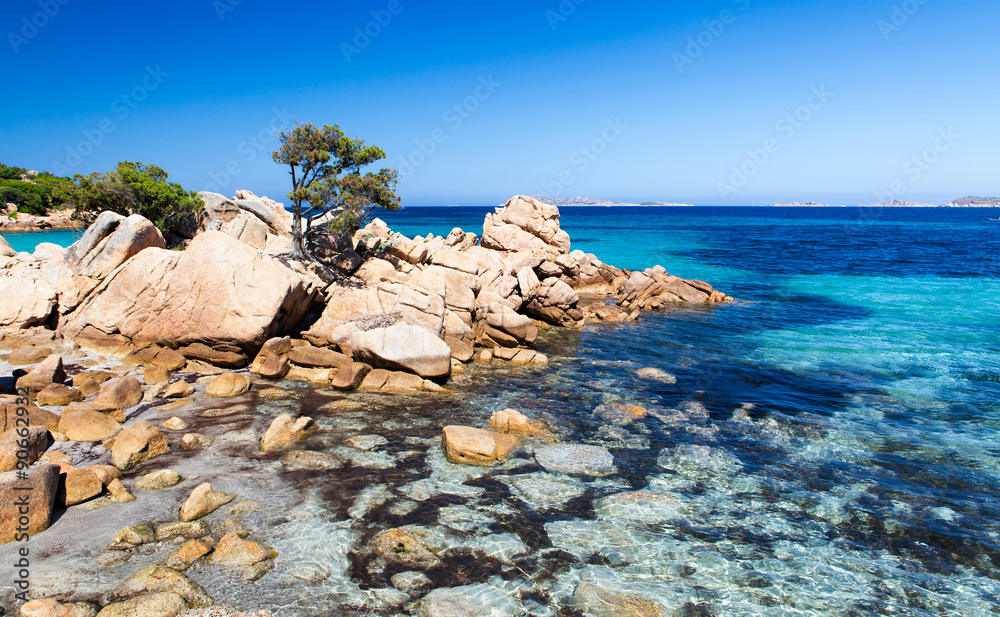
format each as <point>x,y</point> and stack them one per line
<point>723,102</point>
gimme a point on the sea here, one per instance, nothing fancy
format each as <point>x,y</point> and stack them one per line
<point>829,445</point>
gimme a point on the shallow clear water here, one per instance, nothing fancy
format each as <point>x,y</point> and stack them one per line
<point>831,445</point>
<point>26,241</point>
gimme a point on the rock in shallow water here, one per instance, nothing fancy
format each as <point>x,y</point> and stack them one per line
<point>656,374</point>
<point>228,385</point>
<point>545,490</point>
<point>284,432</point>
<point>600,602</point>
<point>306,460</point>
<point>465,445</point>
<point>576,459</point>
<point>467,601</point>
<point>148,605</point>
<point>699,461</point>
<point>160,579</point>
<point>639,506</point>
<point>164,478</point>
<point>203,501</point>
<point>137,443</point>
<point>366,442</point>
<point>51,608</point>
<point>401,548</point>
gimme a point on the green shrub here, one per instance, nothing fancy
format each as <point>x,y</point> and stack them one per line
<point>137,188</point>
<point>29,198</point>
<point>11,173</point>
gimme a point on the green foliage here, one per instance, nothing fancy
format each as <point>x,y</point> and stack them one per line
<point>326,178</point>
<point>137,188</point>
<point>11,173</point>
<point>37,196</point>
<point>29,198</point>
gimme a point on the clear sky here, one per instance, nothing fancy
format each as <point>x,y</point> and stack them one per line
<point>721,102</point>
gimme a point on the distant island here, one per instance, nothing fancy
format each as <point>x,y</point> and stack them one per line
<point>965,202</point>
<point>974,202</point>
<point>570,202</point>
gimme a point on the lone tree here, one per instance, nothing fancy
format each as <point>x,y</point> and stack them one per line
<point>327,184</point>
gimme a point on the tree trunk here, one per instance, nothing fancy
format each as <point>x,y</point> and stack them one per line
<point>297,250</point>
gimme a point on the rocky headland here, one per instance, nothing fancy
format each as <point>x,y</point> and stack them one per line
<point>106,340</point>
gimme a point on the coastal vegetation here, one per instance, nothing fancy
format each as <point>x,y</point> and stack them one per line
<point>33,192</point>
<point>327,182</point>
<point>137,188</point>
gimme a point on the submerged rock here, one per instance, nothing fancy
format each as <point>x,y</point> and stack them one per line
<point>191,530</point>
<point>468,601</point>
<point>366,442</point>
<point>399,547</point>
<point>601,602</point>
<point>575,459</point>
<point>639,506</point>
<point>306,460</point>
<point>656,374</point>
<point>699,461</point>
<point>147,605</point>
<point>164,478</point>
<point>133,536</point>
<point>160,579</point>
<point>545,490</point>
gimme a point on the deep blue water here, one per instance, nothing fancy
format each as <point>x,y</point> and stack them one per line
<point>833,437</point>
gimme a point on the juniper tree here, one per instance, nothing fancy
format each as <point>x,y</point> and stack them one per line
<point>327,182</point>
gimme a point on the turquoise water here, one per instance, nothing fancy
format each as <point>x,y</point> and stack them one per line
<point>865,343</point>
<point>831,445</point>
<point>26,241</point>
